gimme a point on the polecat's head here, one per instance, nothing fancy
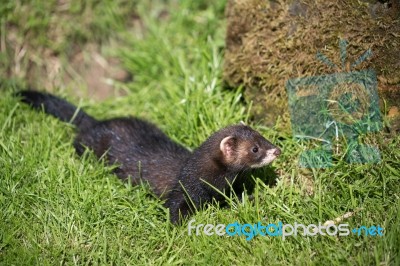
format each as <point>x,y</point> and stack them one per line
<point>242,148</point>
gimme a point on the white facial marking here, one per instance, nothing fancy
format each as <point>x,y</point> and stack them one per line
<point>269,157</point>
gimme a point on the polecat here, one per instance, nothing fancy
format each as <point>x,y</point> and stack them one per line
<point>142,152</point>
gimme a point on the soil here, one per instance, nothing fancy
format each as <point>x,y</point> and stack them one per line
<point>270,42</point>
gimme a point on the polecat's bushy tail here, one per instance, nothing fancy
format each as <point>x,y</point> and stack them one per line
<point>57,107</point>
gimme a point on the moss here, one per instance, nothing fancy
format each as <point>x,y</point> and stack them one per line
<point>269,42</point>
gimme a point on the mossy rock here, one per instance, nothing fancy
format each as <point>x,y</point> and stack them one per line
<point>270,42</point>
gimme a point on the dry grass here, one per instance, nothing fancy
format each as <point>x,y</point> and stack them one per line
<point>269,42</point>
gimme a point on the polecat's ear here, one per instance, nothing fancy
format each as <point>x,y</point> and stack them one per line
<point>227,146</point>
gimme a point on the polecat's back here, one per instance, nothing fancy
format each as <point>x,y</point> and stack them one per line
<point>140,150</point>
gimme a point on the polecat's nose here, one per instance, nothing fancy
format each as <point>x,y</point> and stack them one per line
<point>277,152</point>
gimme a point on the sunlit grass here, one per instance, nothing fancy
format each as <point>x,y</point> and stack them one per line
<point>57,208</point>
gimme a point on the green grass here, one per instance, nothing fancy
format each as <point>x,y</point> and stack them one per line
<point>57,208</point>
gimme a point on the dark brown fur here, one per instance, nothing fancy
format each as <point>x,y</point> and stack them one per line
<point>209,168</point>
<point>142,152</point>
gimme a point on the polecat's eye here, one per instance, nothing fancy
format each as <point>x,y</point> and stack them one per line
<point>255,149</point>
